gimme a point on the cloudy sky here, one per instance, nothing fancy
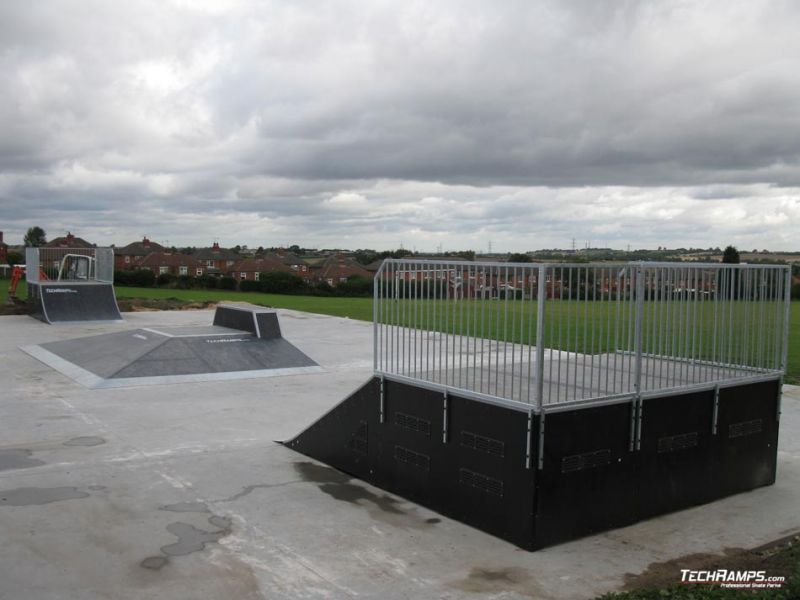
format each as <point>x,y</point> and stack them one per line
<point>429,124</point>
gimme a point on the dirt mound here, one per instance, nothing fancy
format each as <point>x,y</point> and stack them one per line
<point>153,304</point>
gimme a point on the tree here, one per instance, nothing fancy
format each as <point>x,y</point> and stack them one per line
<point>518,257</point>
<point>35,237</point>
<point>14,258</point>
<point>730,255</point>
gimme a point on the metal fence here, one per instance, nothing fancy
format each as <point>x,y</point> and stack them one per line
<point>69,264</point>
<point>557,334</point>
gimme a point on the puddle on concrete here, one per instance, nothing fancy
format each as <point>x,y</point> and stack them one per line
<point>18,458</point>
<point>190,538</point>
<point>490,581</point>
<point>186,507</point>
<point>221,522</point>
<point>34,496</point>
<point>154,562</point>
<point>85,440</point>
<point>338,485</point>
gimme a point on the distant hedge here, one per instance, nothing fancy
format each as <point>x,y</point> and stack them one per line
<point>268,283</point>
<point>139,278</point>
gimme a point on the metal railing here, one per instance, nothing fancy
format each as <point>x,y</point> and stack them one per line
<point>69,264</point>
<point>550,334</point>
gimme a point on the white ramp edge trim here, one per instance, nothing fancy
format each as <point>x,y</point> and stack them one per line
<point>95,382</point>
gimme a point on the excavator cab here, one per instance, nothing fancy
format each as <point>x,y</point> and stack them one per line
<point>76,267</point>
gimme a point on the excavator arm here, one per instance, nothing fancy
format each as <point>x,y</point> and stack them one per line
<point>17,274</point>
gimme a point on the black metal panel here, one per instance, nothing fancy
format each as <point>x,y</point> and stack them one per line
<point>344,437</point>
<point>268,326</point>
<point>676,469</point>
<point>410,455</point>
<point>235,318</point>
<point>588,482</point>
<point>485,480</point>
<point>35,301</point>
<point>64,302</point>
<point>469,462</point>
<point>745,447</point>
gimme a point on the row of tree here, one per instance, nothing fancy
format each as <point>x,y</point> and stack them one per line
<point>269,283</point>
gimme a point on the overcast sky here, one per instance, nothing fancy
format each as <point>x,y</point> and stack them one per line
<point>371,124</point>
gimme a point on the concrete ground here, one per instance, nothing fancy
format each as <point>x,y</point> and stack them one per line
<point>179,491</point>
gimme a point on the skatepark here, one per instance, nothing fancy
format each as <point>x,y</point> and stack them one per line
<point>180,489</point>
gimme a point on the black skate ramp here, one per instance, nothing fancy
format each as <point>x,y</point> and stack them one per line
<point>174,355</point>
<point>74,302</point>
<point>501,469</point>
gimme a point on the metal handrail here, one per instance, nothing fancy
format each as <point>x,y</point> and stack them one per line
<point>612,329</point>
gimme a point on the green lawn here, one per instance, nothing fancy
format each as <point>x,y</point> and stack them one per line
<point>561,318</point>
<point>354,308</point>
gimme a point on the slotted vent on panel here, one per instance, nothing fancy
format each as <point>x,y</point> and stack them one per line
<point>673,443</point>
<point>745,428</point>
<point>487,484</point>
<point>415,459</point>
<point>358,441</point>
<point>412,423</point>
<point>481,443</point>
<point>587,460</point>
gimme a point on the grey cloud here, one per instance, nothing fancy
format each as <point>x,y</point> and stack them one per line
<point>523,118</point>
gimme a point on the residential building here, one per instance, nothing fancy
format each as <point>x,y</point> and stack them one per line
<point>128,257</point>
<point>296,264</point>
<point>250,269</point>
<point>338,268</point>
<point>173,263</point>
<point>216,260</point>
<point>68,241</point>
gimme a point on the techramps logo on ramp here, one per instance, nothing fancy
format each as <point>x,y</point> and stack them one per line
<point>60,290</point>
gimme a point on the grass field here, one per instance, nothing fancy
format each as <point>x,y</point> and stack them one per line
<point>561,318</point>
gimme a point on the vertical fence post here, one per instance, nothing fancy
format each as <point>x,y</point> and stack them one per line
<point>638,347</point>
<point>787,302</point>
<point>375,285</point>
<point>639,316</point>
<point>541,293</point>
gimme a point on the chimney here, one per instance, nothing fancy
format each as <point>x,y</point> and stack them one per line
<point>145,242</point>
<point>1,237</point>
<point>215,247</point>
<point>280,252</point>
<point>70,238</point>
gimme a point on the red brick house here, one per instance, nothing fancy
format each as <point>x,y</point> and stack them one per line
<point>216,260</point>
<point>296,264</point>
<point>173,263</point>
<point>68,241</point>
<point>3,250</point>
<point>250,269</point>
<point>338,268</point>
<point>128,257</point>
